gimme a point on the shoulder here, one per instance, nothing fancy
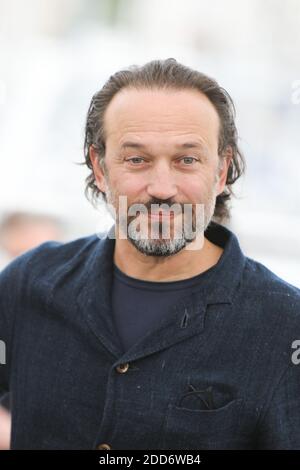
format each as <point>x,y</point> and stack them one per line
<point>268,312</point>
<point>259,278</point>
<point>269,298</point>
<point>48,258</point>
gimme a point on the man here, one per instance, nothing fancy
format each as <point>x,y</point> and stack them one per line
<point>160,341</point>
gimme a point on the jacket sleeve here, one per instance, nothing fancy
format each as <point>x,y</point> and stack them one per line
<point>10,290</point>
<point>280,423</point>
<point>15,285</point>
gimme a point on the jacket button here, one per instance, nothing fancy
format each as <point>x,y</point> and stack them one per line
<point>103,447</point>
<point>122,368</point>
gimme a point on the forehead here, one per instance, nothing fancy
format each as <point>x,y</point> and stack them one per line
<point>151,116</point>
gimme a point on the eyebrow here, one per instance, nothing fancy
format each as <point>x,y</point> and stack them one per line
<point>185,145</point>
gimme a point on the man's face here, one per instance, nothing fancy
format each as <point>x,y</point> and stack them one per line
<point>161,147</point>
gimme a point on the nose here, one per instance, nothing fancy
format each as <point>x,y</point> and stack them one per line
<point>162,184</point>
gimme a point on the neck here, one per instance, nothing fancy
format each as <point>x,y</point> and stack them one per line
<point>182,265</point>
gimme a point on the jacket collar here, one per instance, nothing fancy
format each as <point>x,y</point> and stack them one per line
<point>94,296</point>
<point>219,287</point>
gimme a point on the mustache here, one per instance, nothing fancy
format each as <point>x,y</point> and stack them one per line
<point>165,202</point>
<point>156,205</point>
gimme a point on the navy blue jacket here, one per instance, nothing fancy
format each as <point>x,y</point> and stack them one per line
<point>215,373</point>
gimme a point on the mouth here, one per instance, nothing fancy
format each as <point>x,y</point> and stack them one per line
<point>161,216</point>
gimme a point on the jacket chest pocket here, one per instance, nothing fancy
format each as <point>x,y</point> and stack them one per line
<point>188,429</point>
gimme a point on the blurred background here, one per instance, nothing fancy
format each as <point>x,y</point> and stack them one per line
<point>55,54</point>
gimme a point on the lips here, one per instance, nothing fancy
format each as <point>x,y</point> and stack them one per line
<point>159,215</point>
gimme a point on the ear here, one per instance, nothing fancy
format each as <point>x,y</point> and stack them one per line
<point>98,170</point>
<point>223,171</point>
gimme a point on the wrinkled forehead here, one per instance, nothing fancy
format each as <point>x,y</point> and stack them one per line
<point>161,116</point>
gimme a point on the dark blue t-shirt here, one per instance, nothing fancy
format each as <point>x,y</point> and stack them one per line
<point>138,305</point>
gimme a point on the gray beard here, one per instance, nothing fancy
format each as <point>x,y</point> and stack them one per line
<point>159,247</point>
<point>167,247</point>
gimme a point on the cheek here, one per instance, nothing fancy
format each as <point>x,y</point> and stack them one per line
<point>127,184</point>
<point>196,187</point>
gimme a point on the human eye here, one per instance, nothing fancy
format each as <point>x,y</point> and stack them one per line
<point>135,160</point>
<point>189,160</point>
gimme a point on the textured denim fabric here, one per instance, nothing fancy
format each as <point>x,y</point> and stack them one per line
<point>215,373</point>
